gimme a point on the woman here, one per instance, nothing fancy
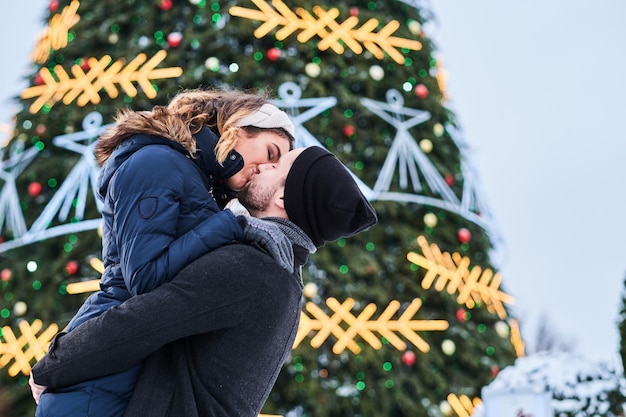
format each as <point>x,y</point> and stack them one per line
<point>159,170</point>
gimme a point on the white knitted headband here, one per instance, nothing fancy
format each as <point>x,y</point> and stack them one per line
<point>268,117</point>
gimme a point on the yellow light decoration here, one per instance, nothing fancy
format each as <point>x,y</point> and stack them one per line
<point>85,87</point>
<point>361,325</point>
<point>97,264</point>
<point>442,80</point>
<point>333,35</point>
<point>325,325</point>
<point>516,339</point>
<point>7,132</point>
<point>452,272</point>
<point>87,286</point>
<point>83,287</point>
<point>26,348</point>
<point>462,405</point>
<point>54,37</point>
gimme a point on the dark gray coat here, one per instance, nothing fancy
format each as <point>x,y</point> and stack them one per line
<point>237,312</point>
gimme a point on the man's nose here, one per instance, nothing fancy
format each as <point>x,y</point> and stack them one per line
<point>264,167</point>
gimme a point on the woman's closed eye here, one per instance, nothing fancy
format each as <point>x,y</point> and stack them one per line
<point>273,153</point>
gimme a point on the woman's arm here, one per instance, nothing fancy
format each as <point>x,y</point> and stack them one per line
<point>147,210</point>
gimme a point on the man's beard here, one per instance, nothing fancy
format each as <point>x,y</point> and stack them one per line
<point>255,198</point>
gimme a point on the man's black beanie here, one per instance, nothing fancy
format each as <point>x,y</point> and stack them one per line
<point>322,198</point>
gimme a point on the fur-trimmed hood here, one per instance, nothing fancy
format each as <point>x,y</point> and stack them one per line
<point>203,159</point>
<point>158,122</point>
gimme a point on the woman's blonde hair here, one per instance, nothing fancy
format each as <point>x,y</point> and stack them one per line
<point>184,116</point>
<point>219,110</point>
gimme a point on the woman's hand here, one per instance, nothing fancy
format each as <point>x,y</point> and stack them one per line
<point>36,389</point>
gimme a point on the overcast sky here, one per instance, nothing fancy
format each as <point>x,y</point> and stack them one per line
<point>539,89</point>
<point>540,92</point>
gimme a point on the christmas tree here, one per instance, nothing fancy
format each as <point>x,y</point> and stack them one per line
<point>407,319</point>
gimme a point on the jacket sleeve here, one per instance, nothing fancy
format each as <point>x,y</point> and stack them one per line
<point>146,212</point>
<point>201,299</point>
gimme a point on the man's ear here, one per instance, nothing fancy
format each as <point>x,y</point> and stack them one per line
<point>279,198</point>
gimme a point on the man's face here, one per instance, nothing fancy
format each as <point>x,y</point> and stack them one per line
<point>258,193</point>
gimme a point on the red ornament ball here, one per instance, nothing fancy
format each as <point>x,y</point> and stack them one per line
<point>273,54</point>
<point>348,130</point>
<point>464,235</point>
<point>495,370</point>
<point>354,11</point>
<point>449,179</point>
<point>71,267</point>
<point>34,189</point>
<point>39,79</point>
<point>84,64</point>
<point>53,6</point>
<point>6,274</point>
<point>174,39</point>
<point>408,358</point>
<point>166,4</point>
<point>40,129</point>
<point>460,315</point>
<point>421,91</point>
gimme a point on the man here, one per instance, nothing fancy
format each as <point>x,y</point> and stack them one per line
<point>217,335</point>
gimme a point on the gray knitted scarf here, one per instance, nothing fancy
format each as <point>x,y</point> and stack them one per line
<point>294,233</point>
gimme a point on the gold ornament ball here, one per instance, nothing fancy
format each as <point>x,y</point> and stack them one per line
<point>312,69</point>
<point>377,72</point>
<point>430,220</point>
<point>445,408</point>
<point>310,290</point>
<point>502,329</point>
<point>212,63</point>
<point>415,27</point>
<point>448,347</point>
<point>19,309</point>
<point>426,145</point>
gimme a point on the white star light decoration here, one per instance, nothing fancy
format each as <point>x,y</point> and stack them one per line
<point>290,100</point>
<point>75,187</point>
<point>10,211</point>
<point>404,155</point>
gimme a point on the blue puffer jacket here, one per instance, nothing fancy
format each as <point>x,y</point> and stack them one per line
<point>158,216</point>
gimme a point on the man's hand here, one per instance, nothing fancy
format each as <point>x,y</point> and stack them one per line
<point>36,389</point>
